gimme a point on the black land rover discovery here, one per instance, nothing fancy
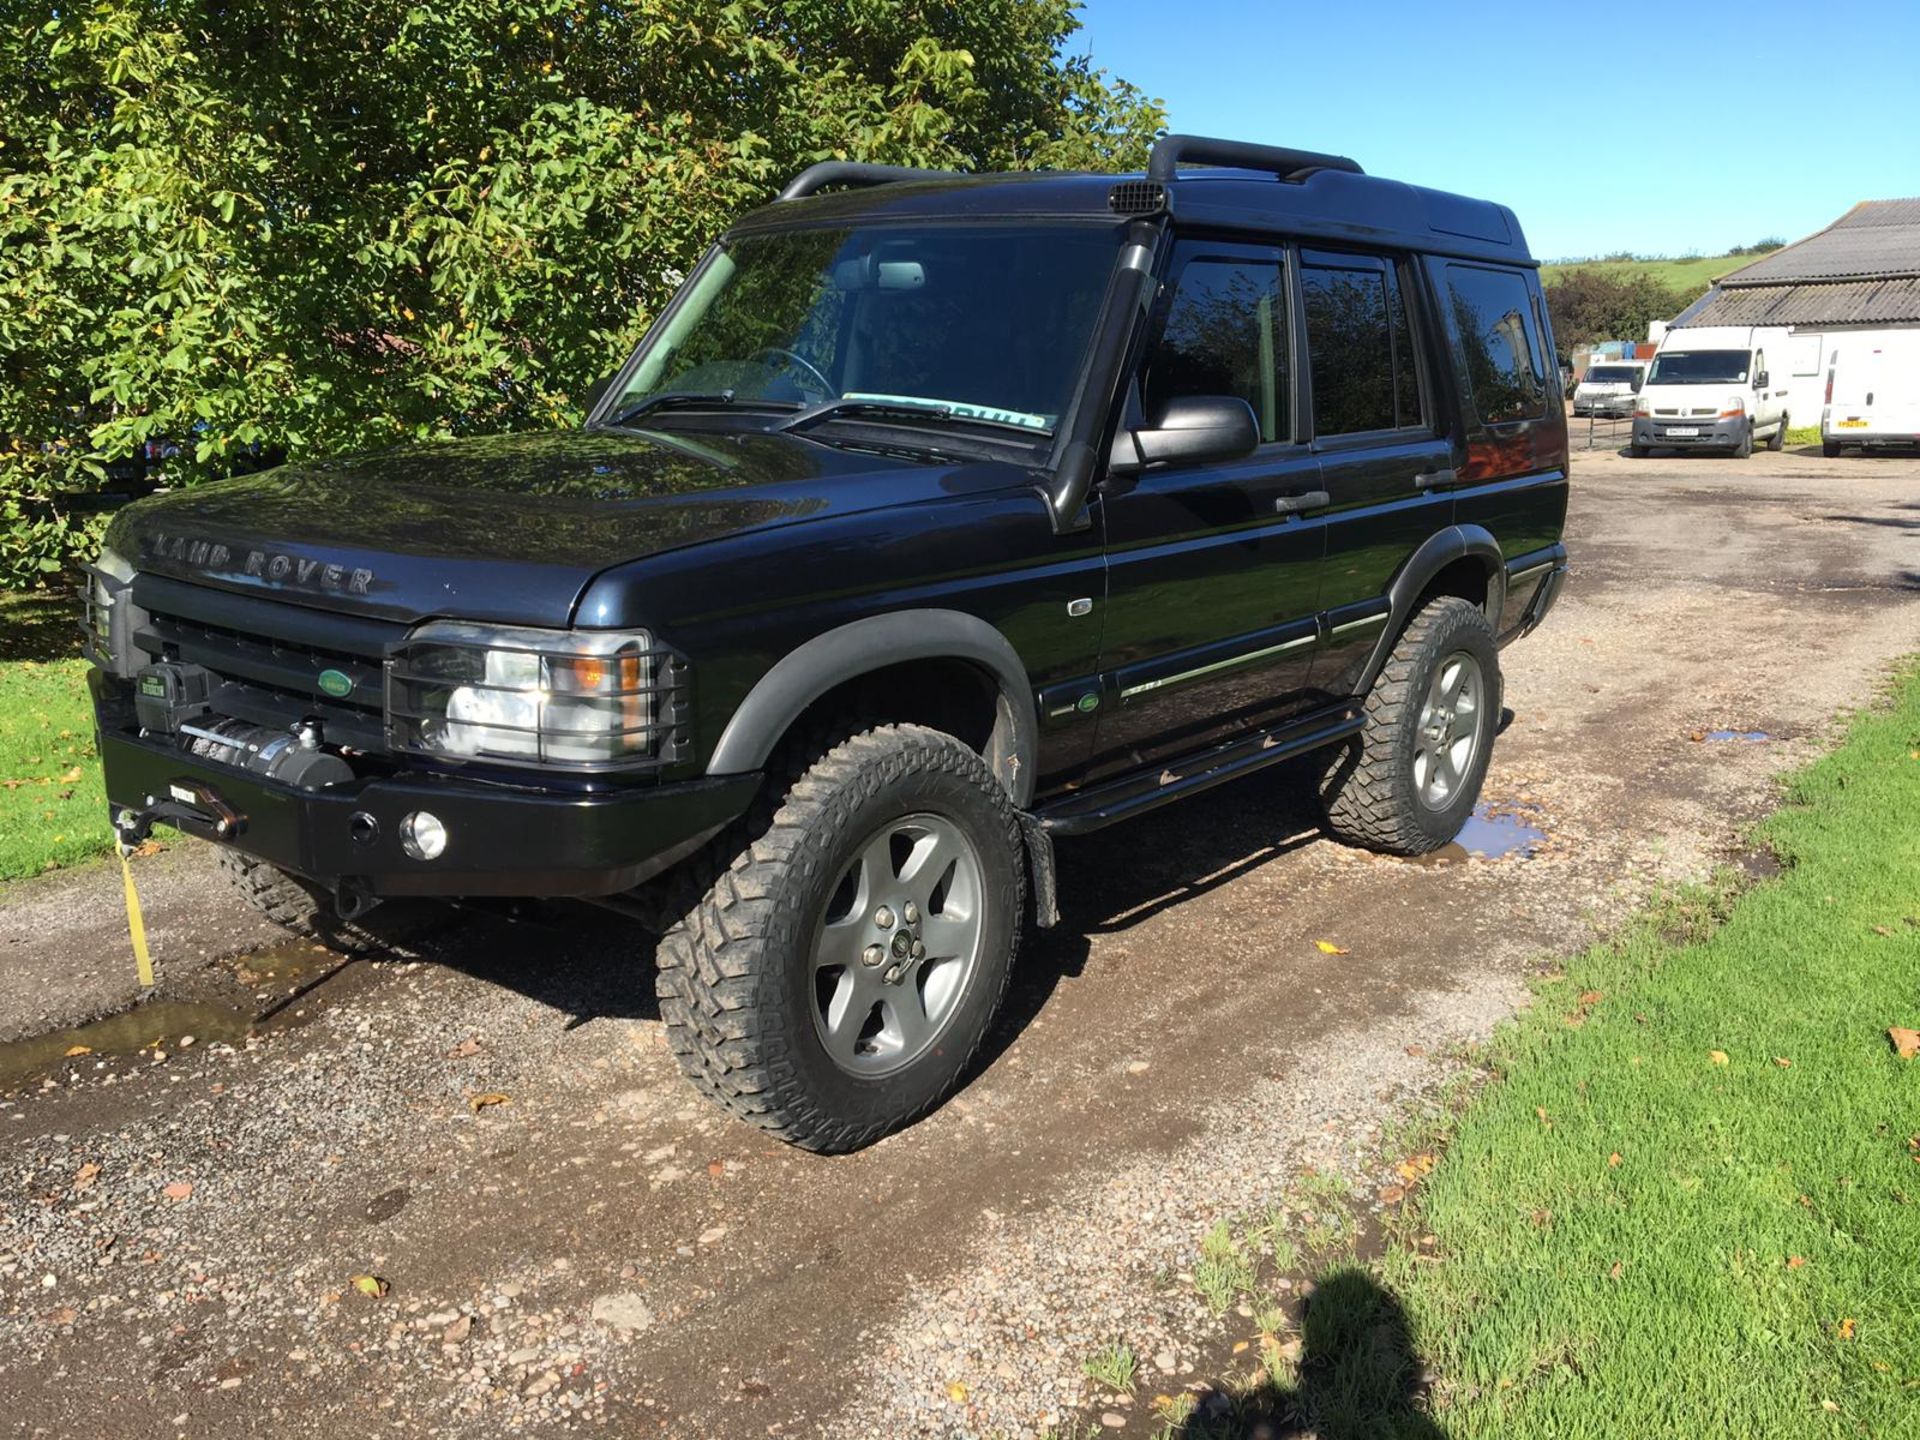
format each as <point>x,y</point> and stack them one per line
<point>935,518</point>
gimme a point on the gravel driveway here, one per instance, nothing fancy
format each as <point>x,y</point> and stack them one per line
<point>567,1239</point>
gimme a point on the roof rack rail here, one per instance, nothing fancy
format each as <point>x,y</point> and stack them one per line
<point>1170,151</point>
<point>851,172</point>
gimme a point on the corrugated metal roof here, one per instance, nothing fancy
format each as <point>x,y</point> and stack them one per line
<point>1845,302</point>
<point>1876,237</point>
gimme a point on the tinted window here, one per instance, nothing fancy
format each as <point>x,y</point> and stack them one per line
<point>1493,312</point>
<point>1225,334</point>
<point>1360,348</point>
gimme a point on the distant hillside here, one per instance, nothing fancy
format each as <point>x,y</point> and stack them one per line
<point>1690,277</point>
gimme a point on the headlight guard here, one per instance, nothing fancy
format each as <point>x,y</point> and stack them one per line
<point>576,700</point>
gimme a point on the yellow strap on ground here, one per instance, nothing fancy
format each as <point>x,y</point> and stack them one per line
<point>136,927</point>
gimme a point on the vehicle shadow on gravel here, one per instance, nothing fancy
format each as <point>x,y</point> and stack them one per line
<point>1359,1376</point>
<point>591,964</point>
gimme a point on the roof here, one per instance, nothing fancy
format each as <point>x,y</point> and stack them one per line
<point>1863,269</point>
<point>1875,238</point>
<point>1327,205</point>
<point>1832,302</point>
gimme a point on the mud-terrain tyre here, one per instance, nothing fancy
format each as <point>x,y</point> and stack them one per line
<point>1778,440</point>
<point>305,909</point>
<point>808,991</point>
<point>1385,790</point>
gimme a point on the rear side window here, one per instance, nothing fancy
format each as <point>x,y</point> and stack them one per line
<point>1493,313</point>
<point>1225,334</point>
<point>1359,346</point>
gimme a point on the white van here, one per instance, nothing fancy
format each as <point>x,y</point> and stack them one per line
<point>1608,387</point>
<point>1709,388</point>
<point>1873,393</point>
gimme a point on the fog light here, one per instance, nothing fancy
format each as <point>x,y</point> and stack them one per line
<point>422,835</point>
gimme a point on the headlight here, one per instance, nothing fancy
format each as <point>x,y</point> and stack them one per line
<point>1734,407</point>
<point>565,698</point>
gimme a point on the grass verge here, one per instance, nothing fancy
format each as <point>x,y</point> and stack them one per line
<point>52,805</point>
<point>1690,275</point>
<point>1690,1203</point>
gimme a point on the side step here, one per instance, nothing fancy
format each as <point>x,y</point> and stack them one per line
<point>1082,810</point>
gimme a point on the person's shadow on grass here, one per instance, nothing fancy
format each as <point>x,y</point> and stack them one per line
<point>1359,1377</point>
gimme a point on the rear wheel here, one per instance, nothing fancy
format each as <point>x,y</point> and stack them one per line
<point>838,979</point>
<point>303,908</point>
<point>1409,781</point>
<point>1830,448</point>
<point>1778,440</point>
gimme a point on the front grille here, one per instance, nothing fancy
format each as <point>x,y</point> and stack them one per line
<point>269,657</point>
<point>97,597</point>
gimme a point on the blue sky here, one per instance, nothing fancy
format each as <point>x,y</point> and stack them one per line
<point>1660,128</point>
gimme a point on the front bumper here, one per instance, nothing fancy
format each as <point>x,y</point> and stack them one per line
<point>502,840</point>
<point>1710,432</point>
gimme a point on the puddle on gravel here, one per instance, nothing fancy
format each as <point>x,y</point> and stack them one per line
<point>1745,737</point>
<point>1492,832</point>
<point>275,977</point>
<point>163,1023</point>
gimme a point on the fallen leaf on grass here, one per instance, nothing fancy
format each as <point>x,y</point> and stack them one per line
<point>488,1100</point>
<point>372,1286</point>
<point>1828,1405</point>
<point>178,1190</point>
<point>1845,1332</point>
<point>1392,1194</point>
<point>1613,1160</point>
<point>71,776</point>
<point>1794,1262</point>
<point>89,1173</point>
<point>1906,1043</point>
<point>1718,1057</point>
<point>1590,998</point>
<point>1883,930</point>
<point>1541,1111</point>
<point>1615,1272</point>
<point>1782,1061</point>
<point>1327,947</point>
<point>957,1392</point>
<point>1415,1166</point>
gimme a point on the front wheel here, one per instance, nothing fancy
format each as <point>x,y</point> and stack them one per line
<point>1778,440</point>
<point>1407,783</point>
<point>1744,447</point>
<point>838,979</point>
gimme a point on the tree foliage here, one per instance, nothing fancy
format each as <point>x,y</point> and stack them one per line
<point>1589,306</point>
<point>242,231</point>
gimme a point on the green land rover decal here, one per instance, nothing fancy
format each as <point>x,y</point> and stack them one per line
<point>336,684</point>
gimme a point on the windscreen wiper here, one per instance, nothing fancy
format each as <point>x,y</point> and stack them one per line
<point>903,410</point>
<point>692,400</point>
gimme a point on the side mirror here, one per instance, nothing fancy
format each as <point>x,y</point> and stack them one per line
<point>1638,381</point>
<point>1760,381</point>
<point>1197,428</point>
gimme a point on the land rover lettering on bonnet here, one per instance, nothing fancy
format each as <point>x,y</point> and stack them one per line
<point>937,520</point>
<point>213,556</point>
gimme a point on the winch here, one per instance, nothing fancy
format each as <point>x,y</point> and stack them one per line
<point>293,757</point>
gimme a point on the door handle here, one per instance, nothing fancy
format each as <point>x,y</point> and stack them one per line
<point>1310,500</point>
<point>1434,479</point>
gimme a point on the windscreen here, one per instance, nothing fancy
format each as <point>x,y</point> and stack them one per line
<point>1699,367</point>
<point>985,321</point>
<point>1613,374</point>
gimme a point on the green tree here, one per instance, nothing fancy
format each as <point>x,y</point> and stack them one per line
<point>1589,306</point>
<point>285,230</point>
